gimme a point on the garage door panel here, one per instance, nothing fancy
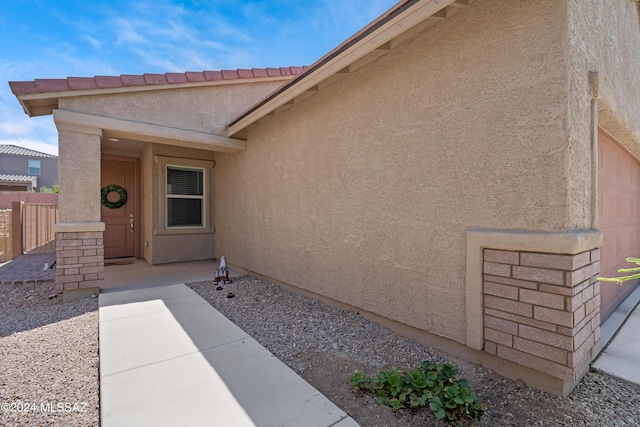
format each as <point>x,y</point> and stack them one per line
<point>608,162</point>
<point>610,247</point>
<point>625,242</point>
<point>619,199</point>
<point>626,210</point>
<point>609,208</point>
<point>624,172</point>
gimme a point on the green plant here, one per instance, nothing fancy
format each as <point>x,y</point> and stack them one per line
<point>52,189</point>
<point>430,384</point>
<point>359,381</point>
<point>621,280</point>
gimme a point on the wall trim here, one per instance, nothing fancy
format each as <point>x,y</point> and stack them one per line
<point>75,227</point>
<point>149,132</point>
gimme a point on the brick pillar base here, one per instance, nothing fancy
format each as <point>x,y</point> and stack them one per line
<point>542,310</point>
<point>79,257</point>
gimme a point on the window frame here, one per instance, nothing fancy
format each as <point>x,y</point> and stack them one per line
<point>159,185</point>
<point>29,167</point>
<point>202,198</point>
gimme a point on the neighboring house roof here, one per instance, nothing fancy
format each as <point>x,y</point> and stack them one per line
<point>21,151</point>
<point>374,40</point>
<point>4,178</point>
<point>40,96</point>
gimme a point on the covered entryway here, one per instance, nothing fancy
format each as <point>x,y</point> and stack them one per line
<point>619,208</point>
<point>121,235</point>
<point>155,123</point>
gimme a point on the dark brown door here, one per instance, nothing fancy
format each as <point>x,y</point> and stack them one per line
<point>121,232</point>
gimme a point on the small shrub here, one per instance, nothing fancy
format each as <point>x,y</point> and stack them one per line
<point>359,381</point>
<point>435,386</point>
<point>53,189</point>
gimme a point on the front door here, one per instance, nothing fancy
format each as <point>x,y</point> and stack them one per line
<point>121,230</point>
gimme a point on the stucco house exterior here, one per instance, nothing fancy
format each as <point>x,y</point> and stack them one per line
<point>23,169</point>
<point>460,171</point>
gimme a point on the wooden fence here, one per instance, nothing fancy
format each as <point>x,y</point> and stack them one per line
<point>27,227</point>
<point>38,221</point>
<point>5,235</point>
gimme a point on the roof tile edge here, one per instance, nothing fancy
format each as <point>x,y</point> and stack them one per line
<point>37,86</point>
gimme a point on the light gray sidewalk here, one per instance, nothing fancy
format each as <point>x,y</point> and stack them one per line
<point>168,358</point>
<point>621,341</point>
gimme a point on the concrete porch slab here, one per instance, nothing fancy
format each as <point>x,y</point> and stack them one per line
<point>142,275</point>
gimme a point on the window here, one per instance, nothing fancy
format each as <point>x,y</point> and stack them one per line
<point>34,167</point>
<point>185,197</point>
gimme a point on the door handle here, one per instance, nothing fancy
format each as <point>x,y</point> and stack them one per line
<point>131,225</point>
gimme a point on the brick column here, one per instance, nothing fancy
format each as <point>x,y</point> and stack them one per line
<point>79,260</point>
<point>542,310</point>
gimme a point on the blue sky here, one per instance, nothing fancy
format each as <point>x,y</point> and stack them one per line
<point>61,38</point>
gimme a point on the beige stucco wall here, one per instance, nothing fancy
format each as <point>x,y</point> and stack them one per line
<point>603,37</point>
<point>363,192</point>
<point>204,109</point>
<point>78,162</point>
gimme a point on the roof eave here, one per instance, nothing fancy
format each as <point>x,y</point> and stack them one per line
<point>42,104</point>
<point>390,25</point>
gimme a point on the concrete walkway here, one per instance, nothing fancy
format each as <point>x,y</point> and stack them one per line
<point>168,358</point>
<point>620,356</point>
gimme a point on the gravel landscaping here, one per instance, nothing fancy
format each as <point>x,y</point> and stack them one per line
<point>48,358</point>
<point>49,361</point>
<point>325,345</point>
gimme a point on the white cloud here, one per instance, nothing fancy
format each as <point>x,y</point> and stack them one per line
<point>97,44</point>
<point>155,61</point>
<point>128,32</point>
<point>16,128</point>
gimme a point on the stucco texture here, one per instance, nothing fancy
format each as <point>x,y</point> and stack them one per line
<point>603,37</point>
<point>202,109</point>
<point>363,192</point>
<point>79,182</point>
